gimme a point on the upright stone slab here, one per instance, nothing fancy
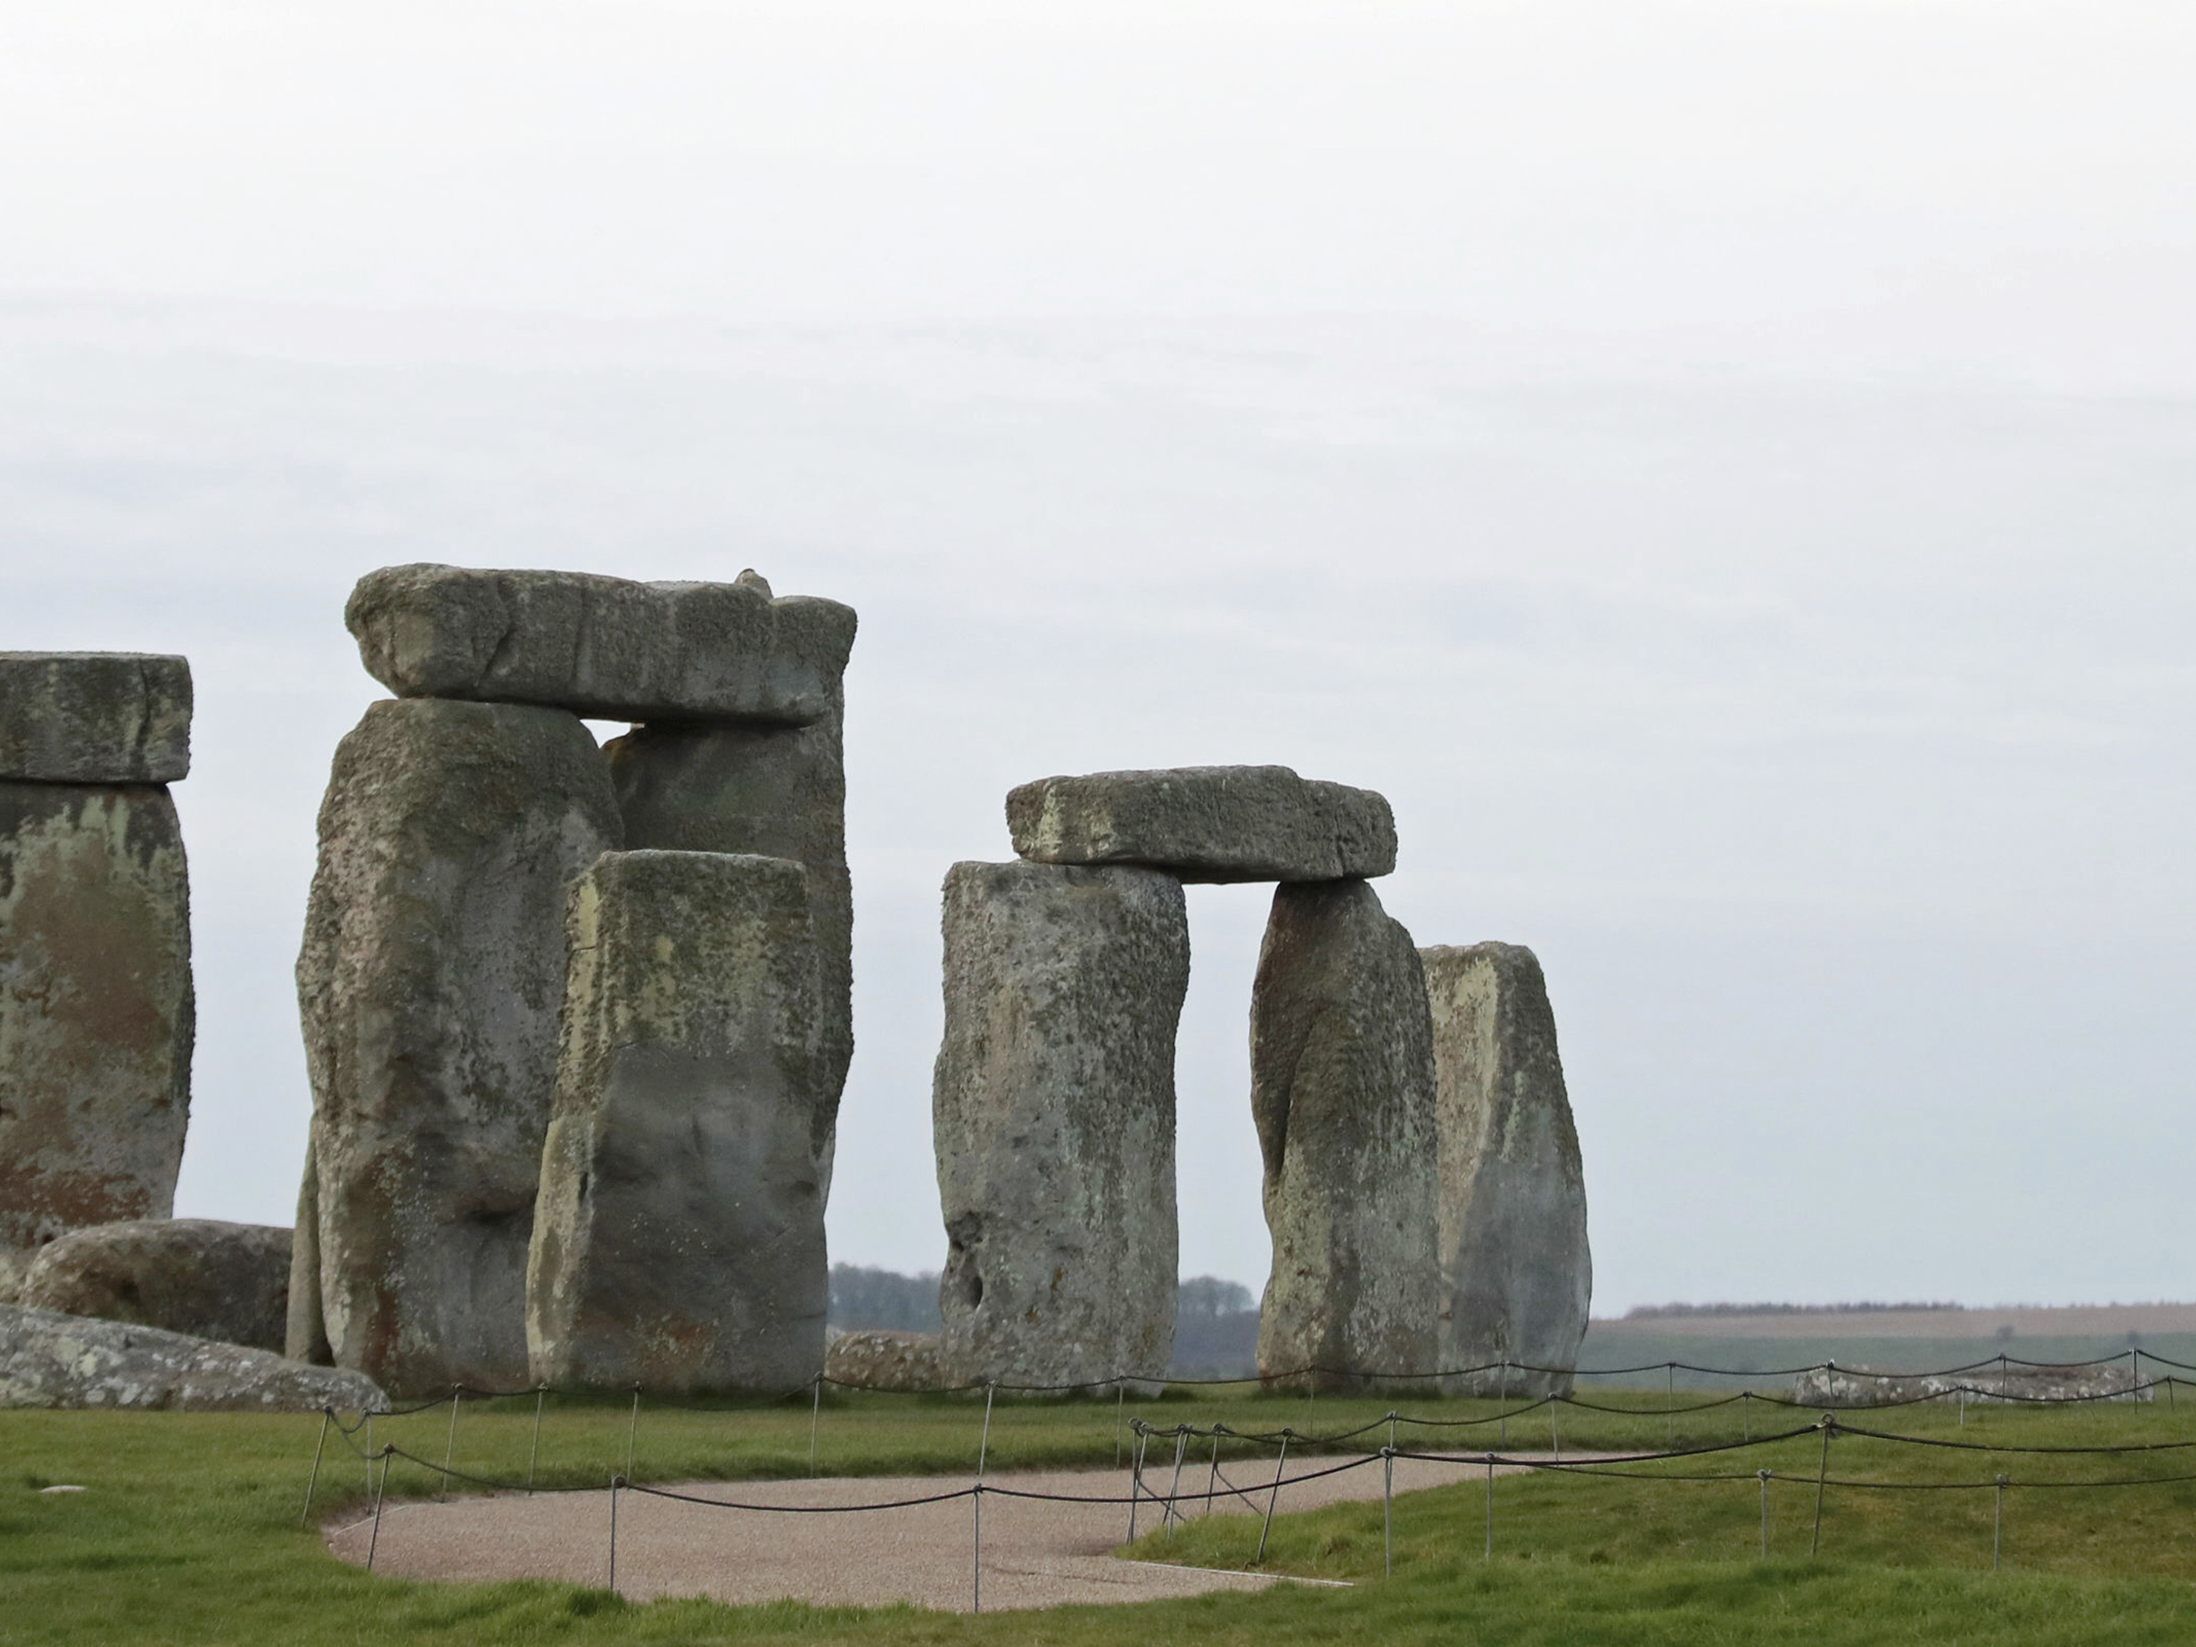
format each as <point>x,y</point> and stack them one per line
<point>1342,1089</point>
<point>1516,1273</point>
<point>1206,823</point>
<point>96,1008</point>
<point>607,648</point>
<point>430,983</point>
<point>679,1241</point>
<point>772,792</point>
<point>1053,1120</point>
<point>95,717</point>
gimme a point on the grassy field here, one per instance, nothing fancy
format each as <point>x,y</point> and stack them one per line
<point>190,1532</point>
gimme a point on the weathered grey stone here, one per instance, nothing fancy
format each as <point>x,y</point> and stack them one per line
<point>430,983</point>
<point>94,717</point>
<point>879,1360</point>
<point>1342,1089</point>
<point>96,1010</point>
<point>602,647</point>
<point>1206,823</point>
<point>15,1263</point>
<point>773,792</point>
<point>1053,1120</point>
<point>679,1240</point>
<point>305,1333</point>
<point>229,1282</point>
<point>48,1359</point>
<point>1516,1273</point>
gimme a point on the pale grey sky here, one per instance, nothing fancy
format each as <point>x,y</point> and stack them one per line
<point>1726,471</point>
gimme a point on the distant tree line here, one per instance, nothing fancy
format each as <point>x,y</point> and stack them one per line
<point>1871,1306</point>
<point>1215,1321</point>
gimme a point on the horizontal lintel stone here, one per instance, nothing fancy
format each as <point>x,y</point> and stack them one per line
<point>94,717</point>
<point>1207,823</point>
<point>603,647</point>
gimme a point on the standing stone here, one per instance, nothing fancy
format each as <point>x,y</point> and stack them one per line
<point>305,1333</point>
<point>679,1241</point>
<point>1053,1119</point>
<point>199,1276</point>
<point>1516,1273</point>
<point>430,983</point>
<point>770,792</point>
<point>96,1009</point>
<point>1206,823</point>
<point>95,717</point>
<point>1342,1089</point>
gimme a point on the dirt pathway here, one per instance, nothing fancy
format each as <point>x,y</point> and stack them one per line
<point>1035,1553</point>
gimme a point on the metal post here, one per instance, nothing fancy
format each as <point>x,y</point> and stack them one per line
<point>1279,1464</point>
<point>1963,1406</point>
<point>1822,1480</point>
<point>369,1452</point>
<point>815,1417</point>
<point>1555,1439</point>
<point>1746,1412</point>
<point>616,1482</point>
<point>1181,1445</point>
<point>632,1431</point>
<point>374,1542</point>
<point>1387,1512</point>
<point>1763,1476</point>
<point>977,1499</point>
<point>2002,1375</point>
<point>1502,1430</point>
<point>311,1482</point>
<point>449,1447</point>
<point>2134,1369</point>
<point>1212,1481</point>
<point>1136,1479</point>
<point>1488,1554</point>
<point>533,1453</point>
<point>1670,1386</point>
<point>1120,1418</point>
<point>983,1447</point>
<point>1997,1523</point>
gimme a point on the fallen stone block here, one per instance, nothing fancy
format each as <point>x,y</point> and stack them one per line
<point>1206,823</point>
<point>96,1009</point>
<point>52,1360</point>
<point>429,984</point>
<point>1342,1090</point>
<point>880,1360</point>
<point>1053,1120</point>
<point>679,1241</point>
<point>229,1282</point>
<point>94,717</point>
<point>1516,1272</point>
<point>603,647</point>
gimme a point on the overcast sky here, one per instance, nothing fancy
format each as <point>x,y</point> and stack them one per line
<point>1725,471</point>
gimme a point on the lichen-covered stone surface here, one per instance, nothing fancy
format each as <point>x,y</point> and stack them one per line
<point>1342,1089</point>
<point>874,1359</point>
<point>305,1334</point>
<point>603,647</point>
<point>1206,823</point>
<point>772,792</point>
<point>199,1276</point>
<point>1516,1273</point>
<point>1053,1120</point>
<point>52,1360</point>
<point>15,1263</point>
<point>95,717</point>
<point>96,1010</point>
<point>430,983</point>
<point>679,1241</point>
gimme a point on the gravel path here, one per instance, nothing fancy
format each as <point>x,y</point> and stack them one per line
<point>1035,1554</point>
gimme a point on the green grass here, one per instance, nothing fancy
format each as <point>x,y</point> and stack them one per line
<point>190,1532</point>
